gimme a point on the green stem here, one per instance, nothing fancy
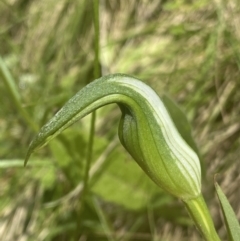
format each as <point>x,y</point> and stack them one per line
<point>97,74</point>
<point>97,71</point>
<point>199,212</point>
<point>89,152</point>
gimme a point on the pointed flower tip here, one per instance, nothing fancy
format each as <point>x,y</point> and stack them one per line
<point>27,158</point>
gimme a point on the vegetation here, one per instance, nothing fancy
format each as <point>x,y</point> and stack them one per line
<point>49,50</point>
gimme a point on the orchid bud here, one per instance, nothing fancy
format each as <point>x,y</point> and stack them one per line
<point>145,130</point>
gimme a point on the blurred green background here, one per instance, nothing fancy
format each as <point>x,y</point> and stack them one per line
<point>188,49</point>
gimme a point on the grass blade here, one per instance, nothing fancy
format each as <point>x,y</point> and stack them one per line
<point>230,219</point>
<point>10,84</point>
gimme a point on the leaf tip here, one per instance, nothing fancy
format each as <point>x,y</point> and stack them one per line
<point>215,179</point>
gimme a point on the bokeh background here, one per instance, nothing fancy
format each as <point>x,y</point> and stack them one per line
<point>187,49</point>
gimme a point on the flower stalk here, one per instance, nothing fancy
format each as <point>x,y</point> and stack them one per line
<point>199,213</point>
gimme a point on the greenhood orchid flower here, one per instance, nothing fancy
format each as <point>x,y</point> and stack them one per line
<point>145,130</point>
<point>148,133</point>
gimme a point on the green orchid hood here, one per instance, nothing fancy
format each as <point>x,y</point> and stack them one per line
<point>145,130</point>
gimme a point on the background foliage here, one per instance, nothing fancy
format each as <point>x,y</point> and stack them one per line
<point>188,49</point>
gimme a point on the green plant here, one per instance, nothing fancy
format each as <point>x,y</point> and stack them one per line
<point>148,133</point>
<point>189,49</point>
